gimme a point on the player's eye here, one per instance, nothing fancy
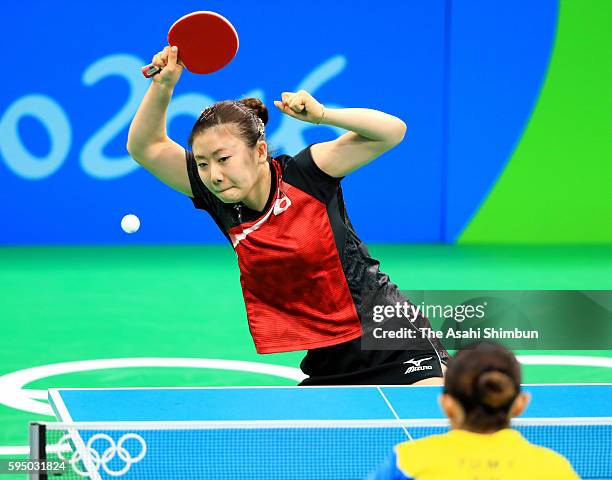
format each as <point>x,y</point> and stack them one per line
<point>223,159</point>
<point>202,164</point>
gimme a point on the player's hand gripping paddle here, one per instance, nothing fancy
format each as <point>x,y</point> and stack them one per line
<point>206,42</point>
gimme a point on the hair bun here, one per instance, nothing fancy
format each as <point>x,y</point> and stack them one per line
<point>257,106</point>
<point>496,389</point>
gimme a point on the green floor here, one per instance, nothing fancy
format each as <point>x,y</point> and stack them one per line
<point>64,304</point>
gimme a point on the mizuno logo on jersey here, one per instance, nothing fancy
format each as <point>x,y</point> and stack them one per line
<point>415,365</point>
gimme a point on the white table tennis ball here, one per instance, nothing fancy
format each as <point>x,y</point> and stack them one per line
<point>130,223</point>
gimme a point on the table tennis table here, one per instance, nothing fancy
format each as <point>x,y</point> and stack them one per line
<point>304,432</point>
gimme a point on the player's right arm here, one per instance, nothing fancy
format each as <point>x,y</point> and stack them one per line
<point>148,142</point>
<point>389,470</point>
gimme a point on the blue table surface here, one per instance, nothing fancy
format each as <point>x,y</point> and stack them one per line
<point>303,403</point>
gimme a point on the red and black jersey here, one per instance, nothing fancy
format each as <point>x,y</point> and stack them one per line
<point>308,281</point>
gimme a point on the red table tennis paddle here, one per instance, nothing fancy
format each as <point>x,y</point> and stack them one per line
<point>206,42</point>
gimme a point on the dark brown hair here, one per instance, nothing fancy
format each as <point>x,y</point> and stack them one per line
<point>248,116</point>
<point>485,379</point>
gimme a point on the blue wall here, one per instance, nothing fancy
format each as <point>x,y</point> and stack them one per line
<point>461,74</point>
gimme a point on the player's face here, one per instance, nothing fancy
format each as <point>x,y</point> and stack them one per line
<point>227,166</point>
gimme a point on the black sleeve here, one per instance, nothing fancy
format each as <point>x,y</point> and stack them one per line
<point>302,171</point>
<point>201,196</point>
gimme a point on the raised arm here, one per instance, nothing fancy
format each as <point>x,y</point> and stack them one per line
<point>371,133</point>
<point>148,142</point>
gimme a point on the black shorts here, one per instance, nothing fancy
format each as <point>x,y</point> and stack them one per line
<point>348,364</point>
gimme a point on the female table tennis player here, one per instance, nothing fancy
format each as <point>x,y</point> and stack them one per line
<point>482,391</point>
<point>308,282</point>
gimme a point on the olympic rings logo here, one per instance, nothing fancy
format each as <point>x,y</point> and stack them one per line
<point>91,459</point>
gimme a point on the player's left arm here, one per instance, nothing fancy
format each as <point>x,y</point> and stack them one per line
<point>370,132</point>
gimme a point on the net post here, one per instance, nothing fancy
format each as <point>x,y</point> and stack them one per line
<point>38,447</point>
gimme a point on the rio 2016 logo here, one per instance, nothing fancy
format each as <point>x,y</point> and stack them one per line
<point>93,161</point>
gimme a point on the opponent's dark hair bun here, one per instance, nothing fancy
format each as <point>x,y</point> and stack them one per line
<point>485,378</point>
<point>258,108</point>
<point>496,389</point>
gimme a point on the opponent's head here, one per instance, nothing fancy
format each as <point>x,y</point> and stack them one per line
<point>482,388</point>
<point>230,149</point>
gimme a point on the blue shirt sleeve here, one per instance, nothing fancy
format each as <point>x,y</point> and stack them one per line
<point>388,471</point>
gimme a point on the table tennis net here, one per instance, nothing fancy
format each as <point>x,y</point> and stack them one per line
<point>273,450</point>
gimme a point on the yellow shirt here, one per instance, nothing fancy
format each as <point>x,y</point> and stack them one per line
<point>463,455</point>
